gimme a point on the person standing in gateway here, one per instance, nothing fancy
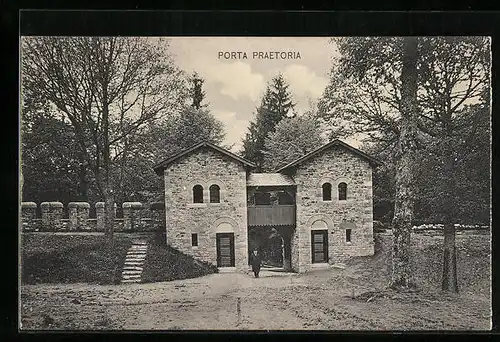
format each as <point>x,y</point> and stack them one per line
<point>256,263</point>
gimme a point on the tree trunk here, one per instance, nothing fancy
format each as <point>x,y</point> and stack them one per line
<point>404,196</point>
<point>83,186</point>
<point>449,282</point>
<point>109,217</point>
<point>109,196</point>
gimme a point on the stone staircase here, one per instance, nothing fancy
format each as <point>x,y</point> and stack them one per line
<point>134,262</point>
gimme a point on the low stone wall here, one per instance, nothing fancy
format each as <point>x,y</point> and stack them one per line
<point>458,227</point>
<point>137,217</point>
<point>78,213</point>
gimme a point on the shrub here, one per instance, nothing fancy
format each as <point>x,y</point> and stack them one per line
<point>164,263</point>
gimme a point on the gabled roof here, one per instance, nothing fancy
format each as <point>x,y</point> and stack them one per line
<point>269,179</point>
<point>162,165</point>
<point>336,142</point>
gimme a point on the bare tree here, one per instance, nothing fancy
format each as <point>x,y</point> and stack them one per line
<point>108,88</point>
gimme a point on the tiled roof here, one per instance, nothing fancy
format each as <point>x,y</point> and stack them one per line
<point>269,179</point>
<point>161,166</point>
<point>336,142</point>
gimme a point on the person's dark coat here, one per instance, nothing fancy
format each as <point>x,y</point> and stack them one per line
<point>256,262</point>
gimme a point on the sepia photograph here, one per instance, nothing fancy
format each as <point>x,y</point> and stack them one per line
<point>176,183</point>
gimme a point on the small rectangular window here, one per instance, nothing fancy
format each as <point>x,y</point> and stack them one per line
<point>348,235</point>
<point>194,240</point>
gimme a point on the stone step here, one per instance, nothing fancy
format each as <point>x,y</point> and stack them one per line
<point>124,281</point>
<point>137,253</point>
<point>135,257</point>
<point>127,268</point>
<point>131,272</point>
<point>135,280</point>
<point>131,276</point>
<point>131,263</point>
<point>130,281</point>
<point>134,262</point>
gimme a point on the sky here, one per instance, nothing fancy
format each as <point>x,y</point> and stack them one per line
<point>234,86</point>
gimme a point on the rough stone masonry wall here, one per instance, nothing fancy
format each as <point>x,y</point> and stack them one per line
<point>136,217</point>
<point>28,216</point>
<point>183,217</point>
<point>78,213</point>
<point>334,165</point>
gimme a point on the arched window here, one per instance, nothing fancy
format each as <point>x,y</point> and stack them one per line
<point>327,192</point>
<point>197,194</point>
<point>214,193</point>
<point>342,191</point>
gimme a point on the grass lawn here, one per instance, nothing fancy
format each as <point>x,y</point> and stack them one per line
<point>473,261</point>
<point>82,258</point>
<point>71,258</point>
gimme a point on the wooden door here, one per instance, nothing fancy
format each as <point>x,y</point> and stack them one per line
<point>225,250</point>
<point>319,244</point>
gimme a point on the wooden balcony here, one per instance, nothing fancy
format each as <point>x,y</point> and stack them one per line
<point>271,215</point>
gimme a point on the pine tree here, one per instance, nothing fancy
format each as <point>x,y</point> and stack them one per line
<point>293,138</point>
<point>276,104</point>
<point>197,93</point>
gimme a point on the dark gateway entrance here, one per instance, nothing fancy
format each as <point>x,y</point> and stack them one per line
<point>271,217</point>
<point>273,243</point>
<point>225,249</point>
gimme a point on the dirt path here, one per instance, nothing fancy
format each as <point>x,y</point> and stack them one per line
<point>276,301</point>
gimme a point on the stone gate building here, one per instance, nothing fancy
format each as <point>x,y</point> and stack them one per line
<point>320,203</point>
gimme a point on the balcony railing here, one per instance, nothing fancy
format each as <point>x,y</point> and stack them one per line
<point>271,215</point>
